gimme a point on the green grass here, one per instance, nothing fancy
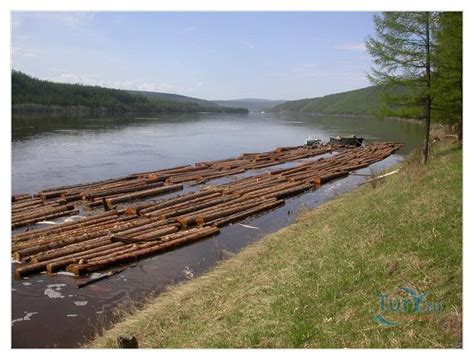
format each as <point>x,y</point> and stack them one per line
<point>316,283</point>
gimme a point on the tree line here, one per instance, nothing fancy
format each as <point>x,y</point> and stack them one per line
<point>29,90</point>
<point>420,52</point>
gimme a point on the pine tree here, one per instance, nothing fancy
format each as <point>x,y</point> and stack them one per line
<point>402,50</point>
<point>448,64</point>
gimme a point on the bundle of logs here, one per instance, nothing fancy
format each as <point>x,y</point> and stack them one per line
<point>119,236</point>
<point>58,201</point>
<point>28,210</point>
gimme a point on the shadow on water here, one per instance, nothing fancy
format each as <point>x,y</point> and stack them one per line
<point>49,311</point>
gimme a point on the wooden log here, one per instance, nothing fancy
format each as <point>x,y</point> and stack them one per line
<point>46,211</point>
<point>324,179</point>
<point>120,190</point>
<point>100,278</point>
<point>181,204</point>
<point>177,200</point>
<point>57,264</point>
<point>146,193</point>
<point>144,237</point>
<point>26,204</point>
<point>264,165</point>
<point>19,197</point>
<point>59,237</point>
<point>264,191</point>
<point>190,218</point>
<point>219,174</point>
<point>67,233</point>
<point>62,227</point>
<point>174,213</point>
<point>74,240</point>
<point>79,186</point>
<point>81,269</point>
<point>43,218</point>
<point>29,269</point>
<point>281,194</point>
<point>201,219</point>
<point>246,213</point>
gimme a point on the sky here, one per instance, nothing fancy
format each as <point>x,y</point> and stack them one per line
<point>212,55</point>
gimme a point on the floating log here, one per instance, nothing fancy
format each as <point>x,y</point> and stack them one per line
<point>19,197</point>
<point>146,193</point>
<point>32,221</point>
<point>201,219</point>
<point>246,213</point>
<point>324,179</point>
<point>81,269</point>
<point>102,277</point>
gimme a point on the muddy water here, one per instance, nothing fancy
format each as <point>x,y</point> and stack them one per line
<point>49,311</point>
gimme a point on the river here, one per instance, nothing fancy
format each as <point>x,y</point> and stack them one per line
<point>49,311</point>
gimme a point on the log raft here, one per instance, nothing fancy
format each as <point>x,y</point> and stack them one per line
<point>119,236</point>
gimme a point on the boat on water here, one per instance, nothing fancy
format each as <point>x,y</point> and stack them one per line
<point>346,140</point>
<point>310,141</point>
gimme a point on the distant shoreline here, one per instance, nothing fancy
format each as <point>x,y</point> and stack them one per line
<point>79,110</point>
<point>411,120</point>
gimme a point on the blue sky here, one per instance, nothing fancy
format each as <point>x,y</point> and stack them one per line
<point>206,55</point>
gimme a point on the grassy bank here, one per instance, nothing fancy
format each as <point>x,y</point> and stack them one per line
<point>317,282</point>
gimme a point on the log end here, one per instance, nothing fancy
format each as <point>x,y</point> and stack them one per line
<point>76,269</point>
<point>130,211</point>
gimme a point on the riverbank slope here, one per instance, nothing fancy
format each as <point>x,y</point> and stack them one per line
<point>317,283</point>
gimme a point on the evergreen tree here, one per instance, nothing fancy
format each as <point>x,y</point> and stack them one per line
<point>402,50</point>
<point>448,64</point>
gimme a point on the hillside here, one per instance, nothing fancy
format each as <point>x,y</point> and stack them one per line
<point>251,104</point>
<point>366,101</point>
<point>31,94</point>
<point>177,98</point>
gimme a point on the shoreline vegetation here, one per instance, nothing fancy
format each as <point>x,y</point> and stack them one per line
<point>374,116</point>
<point>318,282</point>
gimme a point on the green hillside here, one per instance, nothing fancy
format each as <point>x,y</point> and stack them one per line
<point>251,104</point>
<point>28,92</point>
<point>366,101</point>
<point>175,98</point>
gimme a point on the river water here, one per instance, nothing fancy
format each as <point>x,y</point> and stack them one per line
<point>49,311</point>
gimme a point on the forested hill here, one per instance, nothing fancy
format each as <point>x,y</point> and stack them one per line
<point>29,93</point>
<point>366,101</point>
<point>176,98</point>
<point>251,104</point>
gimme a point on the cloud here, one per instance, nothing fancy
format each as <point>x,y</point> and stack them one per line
<point>350,46</point>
